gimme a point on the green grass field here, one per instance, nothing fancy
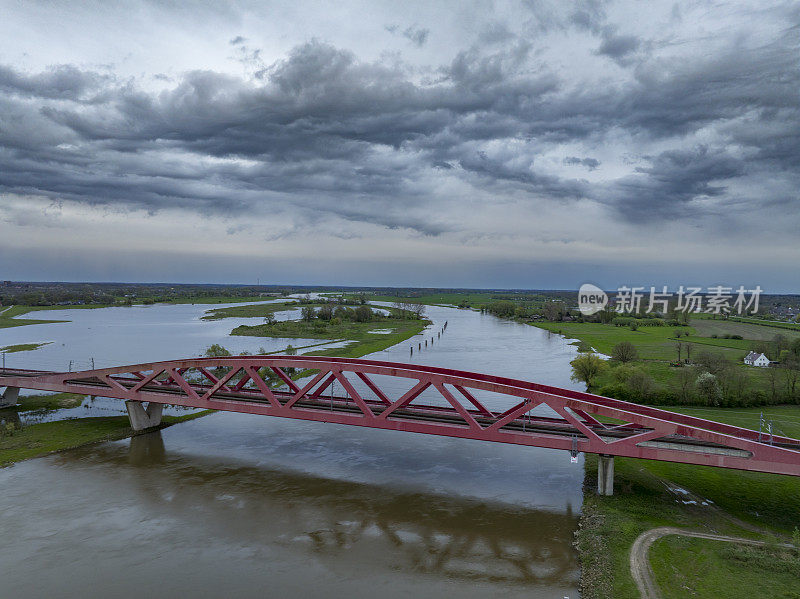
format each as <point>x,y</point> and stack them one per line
<point>686,567</point>
<point>11,349</point>
<point>785,419</point>
<point>652,343</point>
<point>361,333</point>
<point>643,500</point>
<point>53,401</point>
<point>7,319</point>
<point>749,330</point>
<point>249,310</point>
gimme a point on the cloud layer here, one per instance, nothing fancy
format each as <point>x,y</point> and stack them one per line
<point>577,110</point>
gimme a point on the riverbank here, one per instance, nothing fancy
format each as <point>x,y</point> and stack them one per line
<point>712,500</point>
<point>248,310</point>
<point>37,440</point>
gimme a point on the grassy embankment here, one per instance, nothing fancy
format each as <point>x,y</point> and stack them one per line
<point>10,349</point>
<point>656,346</point>
<point>745,504</point>
<point>36,440</point>
<point>257,310</point>
<point>7,319</point>
<point>361,335</point>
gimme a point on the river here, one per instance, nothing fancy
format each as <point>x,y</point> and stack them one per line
<point>238,505</point>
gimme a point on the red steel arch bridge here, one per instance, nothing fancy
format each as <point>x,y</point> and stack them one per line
<point>422,399</point>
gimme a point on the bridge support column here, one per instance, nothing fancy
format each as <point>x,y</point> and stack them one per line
<point>143,418</point>
<point>605,474</point>
<point>9,397</point>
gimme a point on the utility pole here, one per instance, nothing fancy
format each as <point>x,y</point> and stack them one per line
<point>92,363</point>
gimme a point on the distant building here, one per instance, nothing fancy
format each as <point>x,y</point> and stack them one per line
<point>756,359</point>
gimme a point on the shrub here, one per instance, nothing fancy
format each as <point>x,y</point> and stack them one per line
<point>216,351</point>
<point>622,373</point>
<point>363,314</point>
<point>618,391</point>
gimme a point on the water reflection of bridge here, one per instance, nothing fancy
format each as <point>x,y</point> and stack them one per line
<point>334,520</point>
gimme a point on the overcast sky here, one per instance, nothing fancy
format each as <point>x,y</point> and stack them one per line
<point>453,143</point>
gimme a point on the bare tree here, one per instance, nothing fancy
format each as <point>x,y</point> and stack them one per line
<point>401,306</point>
<point>791,369</point>
<point>686,378</point>
<point>624,351</point>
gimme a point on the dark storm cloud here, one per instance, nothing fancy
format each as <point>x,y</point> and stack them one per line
<point>323,133</point>
<point>617,46</point>
<point>496,171</point>
<point>589,15</point>
<point>590,163</point>
<point>64,82</point>
<point>676,183</point>
<point>417,36</point>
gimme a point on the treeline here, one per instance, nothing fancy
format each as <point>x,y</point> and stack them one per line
<point>54,294</point>
<point>336,313</point>
<point>547,309</point>
<point>339,314</point>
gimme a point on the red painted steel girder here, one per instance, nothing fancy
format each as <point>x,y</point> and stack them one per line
<point>574,421</point>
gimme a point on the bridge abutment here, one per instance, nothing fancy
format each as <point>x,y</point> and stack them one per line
<point>605,474</point>
<point>9,397</point>
<point>143,418</point>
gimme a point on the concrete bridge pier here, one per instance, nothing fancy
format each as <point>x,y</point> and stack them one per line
<point>9,397</point>
<point>605,474</point>
<point>143,418</point>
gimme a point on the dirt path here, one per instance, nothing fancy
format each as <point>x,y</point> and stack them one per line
<point>640,564</point>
